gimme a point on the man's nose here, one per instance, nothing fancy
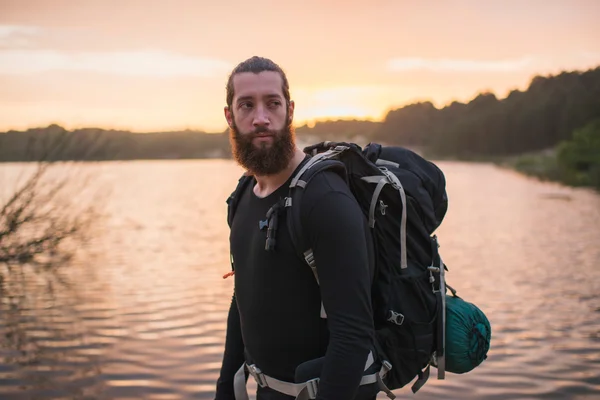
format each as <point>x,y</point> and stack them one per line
<point>261,117</point>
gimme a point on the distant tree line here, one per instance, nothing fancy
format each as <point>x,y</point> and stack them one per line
<point>541,117</point>
<point>99,144</point>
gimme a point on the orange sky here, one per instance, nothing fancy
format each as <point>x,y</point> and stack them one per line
<point>149,65</point>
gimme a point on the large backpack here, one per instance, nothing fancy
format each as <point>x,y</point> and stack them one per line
<point>404,198</point>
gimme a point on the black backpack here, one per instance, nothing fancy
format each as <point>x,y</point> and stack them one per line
<point>404,198</point>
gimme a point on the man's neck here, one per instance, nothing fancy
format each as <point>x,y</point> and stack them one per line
<point>265,185</point>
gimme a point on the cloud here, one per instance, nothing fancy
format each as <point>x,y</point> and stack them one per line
<point>17,56</point>
<point>10,30</point>
<point>17,36</point>
<point>150,63</point>
<point>459,65</point>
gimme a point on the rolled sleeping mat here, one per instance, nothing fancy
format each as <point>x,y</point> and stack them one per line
<point>468,335</point>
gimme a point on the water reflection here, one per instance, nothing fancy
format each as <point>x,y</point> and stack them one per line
<point>45,351</point>
<point>141,311</point>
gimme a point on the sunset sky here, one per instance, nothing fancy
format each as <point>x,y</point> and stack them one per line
<point>149,65</point>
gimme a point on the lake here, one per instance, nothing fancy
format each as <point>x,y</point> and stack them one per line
<point>140,312</point>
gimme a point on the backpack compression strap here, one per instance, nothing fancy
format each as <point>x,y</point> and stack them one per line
<point>441,293</point>
<point>382,180</point>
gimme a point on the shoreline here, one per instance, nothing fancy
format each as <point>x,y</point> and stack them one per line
<point>542,165</point>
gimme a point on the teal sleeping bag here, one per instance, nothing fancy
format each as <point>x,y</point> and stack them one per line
<point>468,334</point>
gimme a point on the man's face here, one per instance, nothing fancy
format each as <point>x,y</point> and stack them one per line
<point>260,123</point>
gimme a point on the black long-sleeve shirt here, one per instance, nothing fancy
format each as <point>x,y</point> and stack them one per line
<point>279,300</point>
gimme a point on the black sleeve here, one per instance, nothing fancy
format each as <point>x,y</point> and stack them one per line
<point>336,233</point>
<point>233,357</point>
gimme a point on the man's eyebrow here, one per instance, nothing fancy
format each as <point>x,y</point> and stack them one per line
<point>244,98</point>
<point>267,96</point>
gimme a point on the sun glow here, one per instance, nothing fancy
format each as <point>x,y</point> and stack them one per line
<point>165,67</point>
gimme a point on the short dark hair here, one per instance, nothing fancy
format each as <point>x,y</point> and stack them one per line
<point>256,65</point>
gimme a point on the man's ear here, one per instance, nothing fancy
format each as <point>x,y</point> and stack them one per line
<point>228,116</point>
<point>291,111</point>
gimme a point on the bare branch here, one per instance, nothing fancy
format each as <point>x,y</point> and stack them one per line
<point>43,213</point>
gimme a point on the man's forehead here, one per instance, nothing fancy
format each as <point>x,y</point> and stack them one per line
<point>265,83</point>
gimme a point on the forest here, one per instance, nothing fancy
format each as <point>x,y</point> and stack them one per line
<point>538,118</point>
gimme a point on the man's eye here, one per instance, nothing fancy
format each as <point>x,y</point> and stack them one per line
<point>246,106</point>
<point>275,104</point>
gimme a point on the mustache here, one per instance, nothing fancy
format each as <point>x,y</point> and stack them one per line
<point>260,131</point>
<point>263,129</point>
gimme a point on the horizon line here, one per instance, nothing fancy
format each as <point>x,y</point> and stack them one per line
<point>309,122</point>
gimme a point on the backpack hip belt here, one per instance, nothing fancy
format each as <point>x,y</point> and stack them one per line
<point>305,390</point>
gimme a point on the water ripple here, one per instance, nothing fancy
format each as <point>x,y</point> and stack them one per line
<point>141,312</point>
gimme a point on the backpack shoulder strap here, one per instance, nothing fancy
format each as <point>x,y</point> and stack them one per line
<point>324,157</point>
<point>234,197</point>
<point>294,207</point>
<point>296,192</point>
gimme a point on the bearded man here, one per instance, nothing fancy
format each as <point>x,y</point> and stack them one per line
<point>285,328</point>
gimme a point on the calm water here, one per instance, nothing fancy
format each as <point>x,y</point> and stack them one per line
<point>140,312</point>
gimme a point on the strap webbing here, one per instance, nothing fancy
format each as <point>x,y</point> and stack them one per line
<point>239,384</point>
<point>385,368</point>
<point>441,359</point>
<point>315,159</point>
<point>396,181</point>
<point>421,381</point>
<point>370,361</point>
<point>382,182</point>
<point>310,260</point>
<point>393,179</point>
<point>301,391</point>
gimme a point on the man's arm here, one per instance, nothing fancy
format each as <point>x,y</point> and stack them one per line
<point>336,232</point>
<point>233,357</point>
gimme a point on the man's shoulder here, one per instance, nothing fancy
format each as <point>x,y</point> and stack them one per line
<point>325,191</point>
<point>327,181</point>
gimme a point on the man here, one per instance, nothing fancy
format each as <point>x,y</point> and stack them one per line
<point>275,318</point>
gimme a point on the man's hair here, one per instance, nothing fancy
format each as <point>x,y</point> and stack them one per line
<point>256,65</point>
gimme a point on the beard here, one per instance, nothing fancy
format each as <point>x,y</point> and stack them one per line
<point>264,159</point>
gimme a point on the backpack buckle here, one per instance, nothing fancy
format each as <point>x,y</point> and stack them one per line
<point>431,270</point>
<point>258,375</point>
<point>387,367</point>
<point>382,207</point>
<point>396,318</point>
